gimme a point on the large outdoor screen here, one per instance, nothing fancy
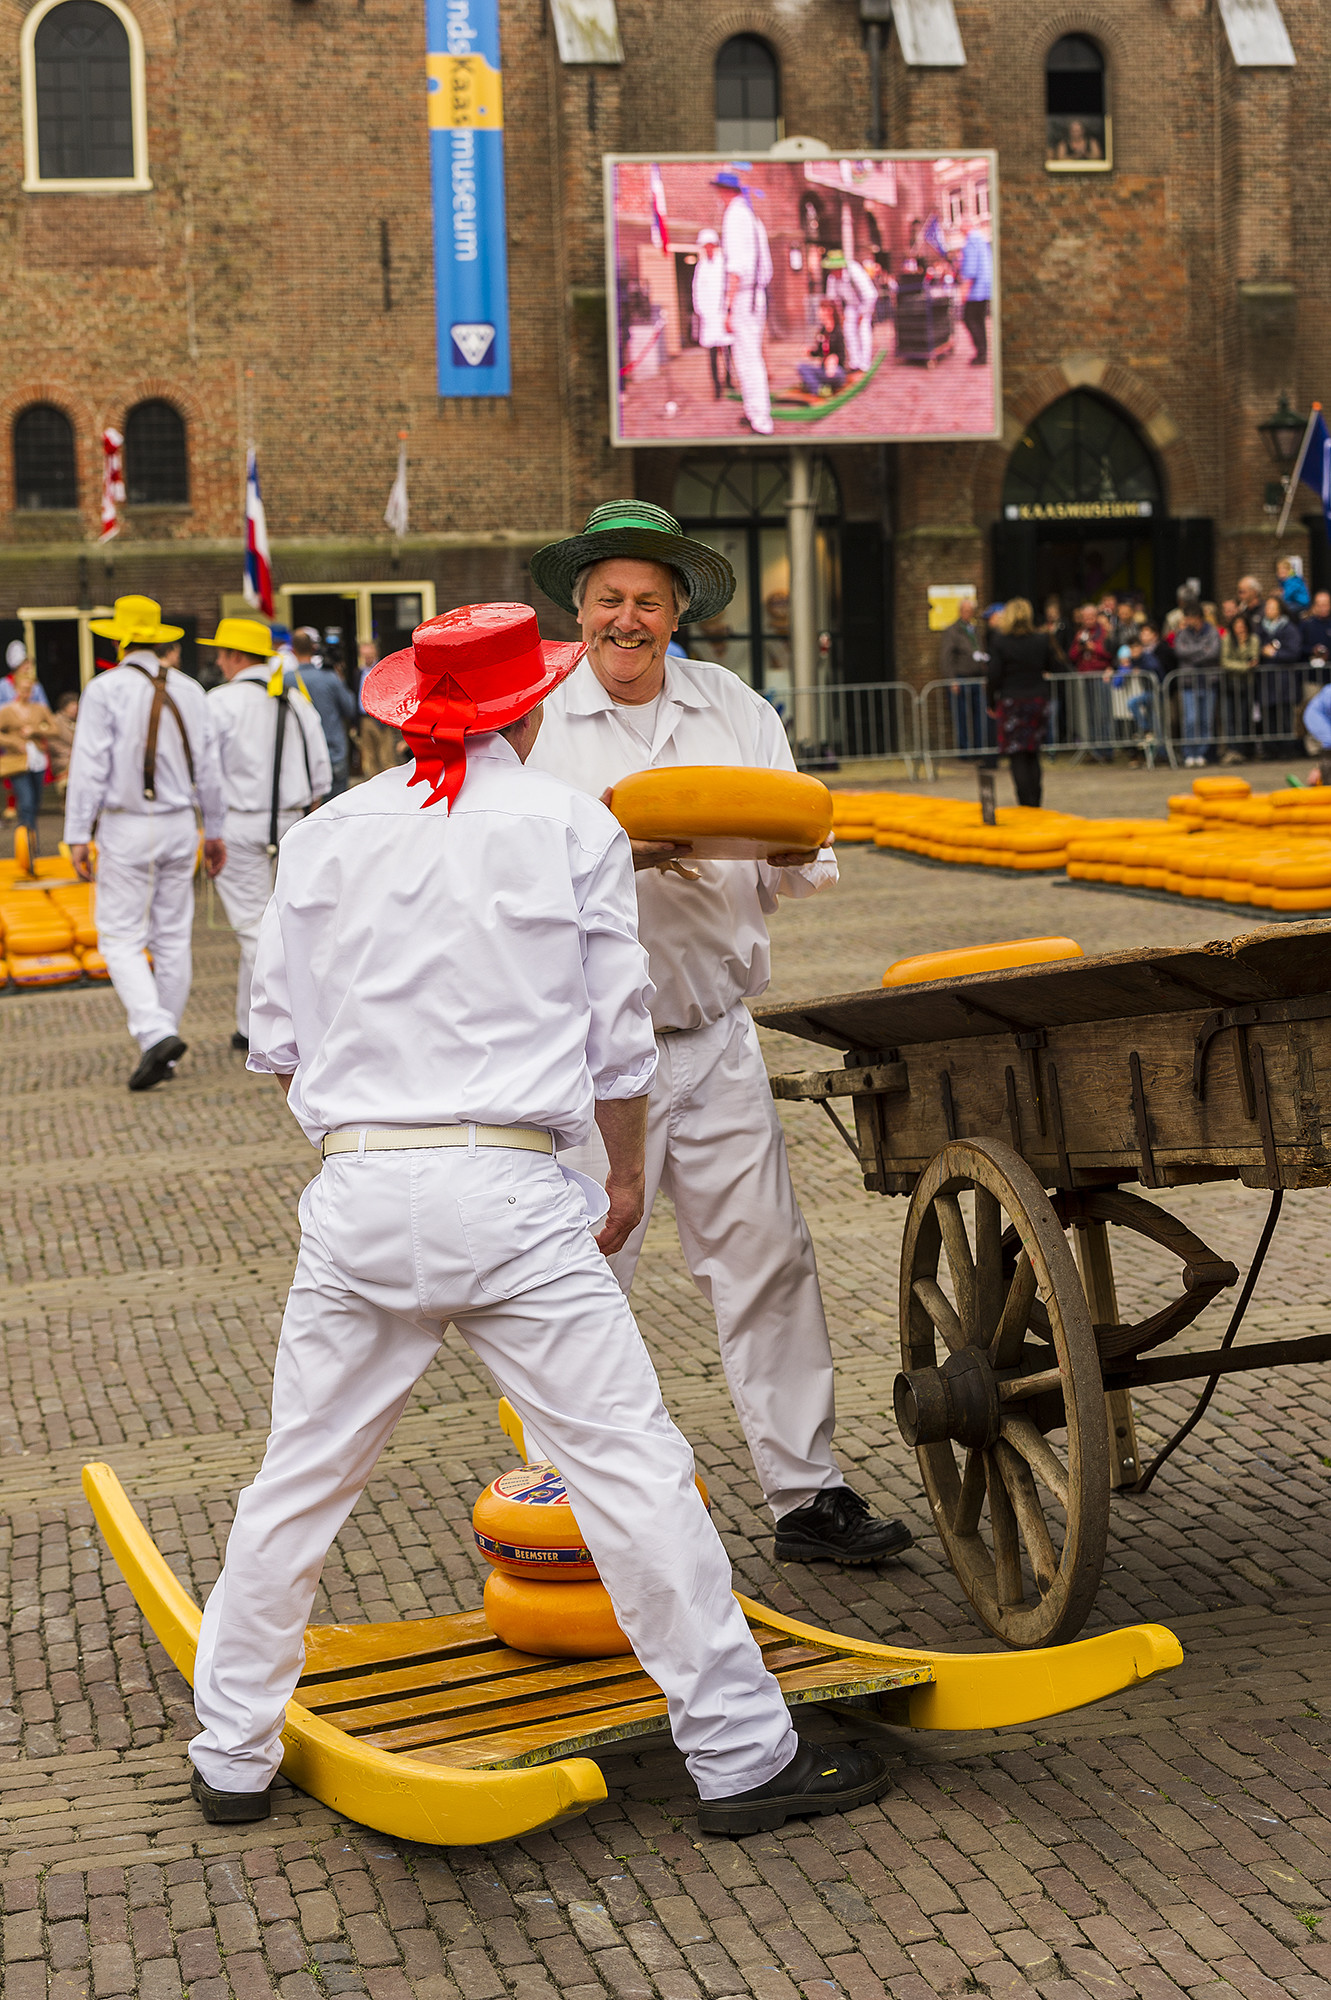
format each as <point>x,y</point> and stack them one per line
<point>797,300</point>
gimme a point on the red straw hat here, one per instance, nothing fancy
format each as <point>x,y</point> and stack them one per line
<point>469,671</point>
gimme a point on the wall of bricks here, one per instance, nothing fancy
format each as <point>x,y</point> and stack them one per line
<point>1189,285</point>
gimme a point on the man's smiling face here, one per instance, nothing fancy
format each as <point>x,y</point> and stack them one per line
<point>627,617</point>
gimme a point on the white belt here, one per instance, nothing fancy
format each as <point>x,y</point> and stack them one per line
<point>411,1138</point>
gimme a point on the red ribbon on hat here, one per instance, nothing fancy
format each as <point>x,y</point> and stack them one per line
<point>435,736</point>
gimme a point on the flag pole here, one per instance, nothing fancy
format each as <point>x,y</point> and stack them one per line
<point>1295,476</point>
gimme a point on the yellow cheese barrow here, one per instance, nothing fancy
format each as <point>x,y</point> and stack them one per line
<point>432,1730</point>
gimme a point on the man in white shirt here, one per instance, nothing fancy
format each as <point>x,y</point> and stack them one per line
<point>448,985</point>
<point>714,1142</point>
<point>855,292</point>
<point>748,262</point>
<point>275,767</point>
<point>144,759</point>
<point>709,305</point>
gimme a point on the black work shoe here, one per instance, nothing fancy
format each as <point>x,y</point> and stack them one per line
<point>839,1526</point>
<point>239,1041</point>
<point>229,1808</point>
<point>816,1780</point>
<point>155,1064</point>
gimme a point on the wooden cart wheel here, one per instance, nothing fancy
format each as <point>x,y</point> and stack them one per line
<point>1008,1422</point>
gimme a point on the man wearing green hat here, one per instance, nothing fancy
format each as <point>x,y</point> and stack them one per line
<point>144,764</point>
<point>714,1143</point>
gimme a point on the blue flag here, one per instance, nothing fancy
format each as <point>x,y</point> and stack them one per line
<point>1315,465</point>
<point>932,234</point>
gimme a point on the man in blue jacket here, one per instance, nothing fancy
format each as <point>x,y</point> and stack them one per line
<point>333,700</point>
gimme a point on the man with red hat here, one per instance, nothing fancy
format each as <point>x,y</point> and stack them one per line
<point>714,1143</point>
<point>448,986</point>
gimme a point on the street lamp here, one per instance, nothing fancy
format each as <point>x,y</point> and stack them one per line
<point>1282,434</point>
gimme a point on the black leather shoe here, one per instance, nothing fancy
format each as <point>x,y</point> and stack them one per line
<point>155,1064</point>
<point>838,1526</point>
<point>816,1780</point>
<point>229,1808</point>
<point>239,1041</point>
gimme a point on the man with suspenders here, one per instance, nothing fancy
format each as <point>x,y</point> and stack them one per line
<point>144,765</point>
<point>275,766</point>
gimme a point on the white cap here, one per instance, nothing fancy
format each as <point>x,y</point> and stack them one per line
<point>308,632</point>
<point>15,654</point>
<point>707,236</point>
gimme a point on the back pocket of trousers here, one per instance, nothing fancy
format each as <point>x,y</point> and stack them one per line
<point>521,1235</point>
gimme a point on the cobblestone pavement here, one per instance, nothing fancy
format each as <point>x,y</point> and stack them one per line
<point>1172,1840</point>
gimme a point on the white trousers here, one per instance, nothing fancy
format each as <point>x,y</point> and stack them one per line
<point>244,886</point>
<point>716,1148</point>
<point>393,1247</point>
<point>748,317</point>
<point>144,901</point>
<point>858,325</point>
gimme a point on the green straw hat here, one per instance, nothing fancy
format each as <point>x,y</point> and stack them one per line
<point>636,528</point>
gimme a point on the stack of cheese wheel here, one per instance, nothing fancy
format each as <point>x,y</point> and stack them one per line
<point>854,814</point>
<point>725,812</point>
<point>1221,844</point>
<point>1025,839</point>
<point>543,1594</point>
<point>38,938</point>
<point>75,899</point>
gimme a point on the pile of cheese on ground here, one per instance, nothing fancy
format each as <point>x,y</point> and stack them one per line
<point>47,930</point>
<point>1222,843</point>
<point>1025,837</point>
<point>1219,842</point>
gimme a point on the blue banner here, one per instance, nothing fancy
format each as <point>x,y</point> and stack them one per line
<point>466,118</point>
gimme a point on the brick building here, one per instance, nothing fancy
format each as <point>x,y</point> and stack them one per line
<point>216,222</point>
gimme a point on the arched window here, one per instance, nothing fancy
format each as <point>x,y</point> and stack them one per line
<point>156,462</point>
<point>1082,459</point>
<point>1077,128</point>
<point>44,470</point>
<point>748,96</point>
<point>84,121</point>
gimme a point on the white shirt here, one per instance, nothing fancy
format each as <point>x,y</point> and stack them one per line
<point>745,249</point>
<point>709,299</point>
<point>244,717</point>
<point>106,765</point>
<point>420,967</point>
<point>707,940</point>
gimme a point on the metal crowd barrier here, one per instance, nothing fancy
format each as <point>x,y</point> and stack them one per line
<point>1189,714</point>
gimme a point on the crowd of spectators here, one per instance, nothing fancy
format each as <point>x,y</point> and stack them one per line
<point>1245,673</point>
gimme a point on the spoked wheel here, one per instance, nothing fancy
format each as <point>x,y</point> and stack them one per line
<point>1002,1395</point>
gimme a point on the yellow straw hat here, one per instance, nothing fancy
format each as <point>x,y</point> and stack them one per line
<point>136,621</point>
<point>243,635</point>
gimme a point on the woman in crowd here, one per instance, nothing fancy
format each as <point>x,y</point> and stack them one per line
<point>1281,644</point>
<point>825,372</point>
<point>25,724</point>
<point>1240,652</point>
<point>60,741</point>
<point>1020,661</point>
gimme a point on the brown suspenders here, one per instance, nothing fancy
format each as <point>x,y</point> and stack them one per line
<point>162,698</point>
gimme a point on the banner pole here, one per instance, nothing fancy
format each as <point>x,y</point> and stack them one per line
<point>1295,476</point>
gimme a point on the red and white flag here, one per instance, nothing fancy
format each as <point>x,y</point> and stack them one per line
<point>258,583</point>
<point>113,483</point>
<point>660,217</point>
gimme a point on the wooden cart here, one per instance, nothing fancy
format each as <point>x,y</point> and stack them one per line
<point>1012,1108</point>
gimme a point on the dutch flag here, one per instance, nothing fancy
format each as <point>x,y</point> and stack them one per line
<point>258,568</point>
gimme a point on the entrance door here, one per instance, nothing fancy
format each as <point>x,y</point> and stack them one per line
<point>56,657</point>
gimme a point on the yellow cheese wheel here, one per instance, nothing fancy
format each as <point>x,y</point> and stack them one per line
<point>524,1525</point>
<point>1221,788</point>
<point>572,1621</point>
<point>979,958</point>
<point>93,963</point>
<point>723,811</point>
<point>54,968</point>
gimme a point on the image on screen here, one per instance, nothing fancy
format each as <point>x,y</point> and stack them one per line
<point>802,299</point>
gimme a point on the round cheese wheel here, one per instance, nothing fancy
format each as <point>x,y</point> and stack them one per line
<point>55,968</point>
<point>572,1621</point>
<point>1221,788</point>
<point>93,963</point>
<point>524,1525</point>
<point>725,812</point>
<point>979,958</point>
